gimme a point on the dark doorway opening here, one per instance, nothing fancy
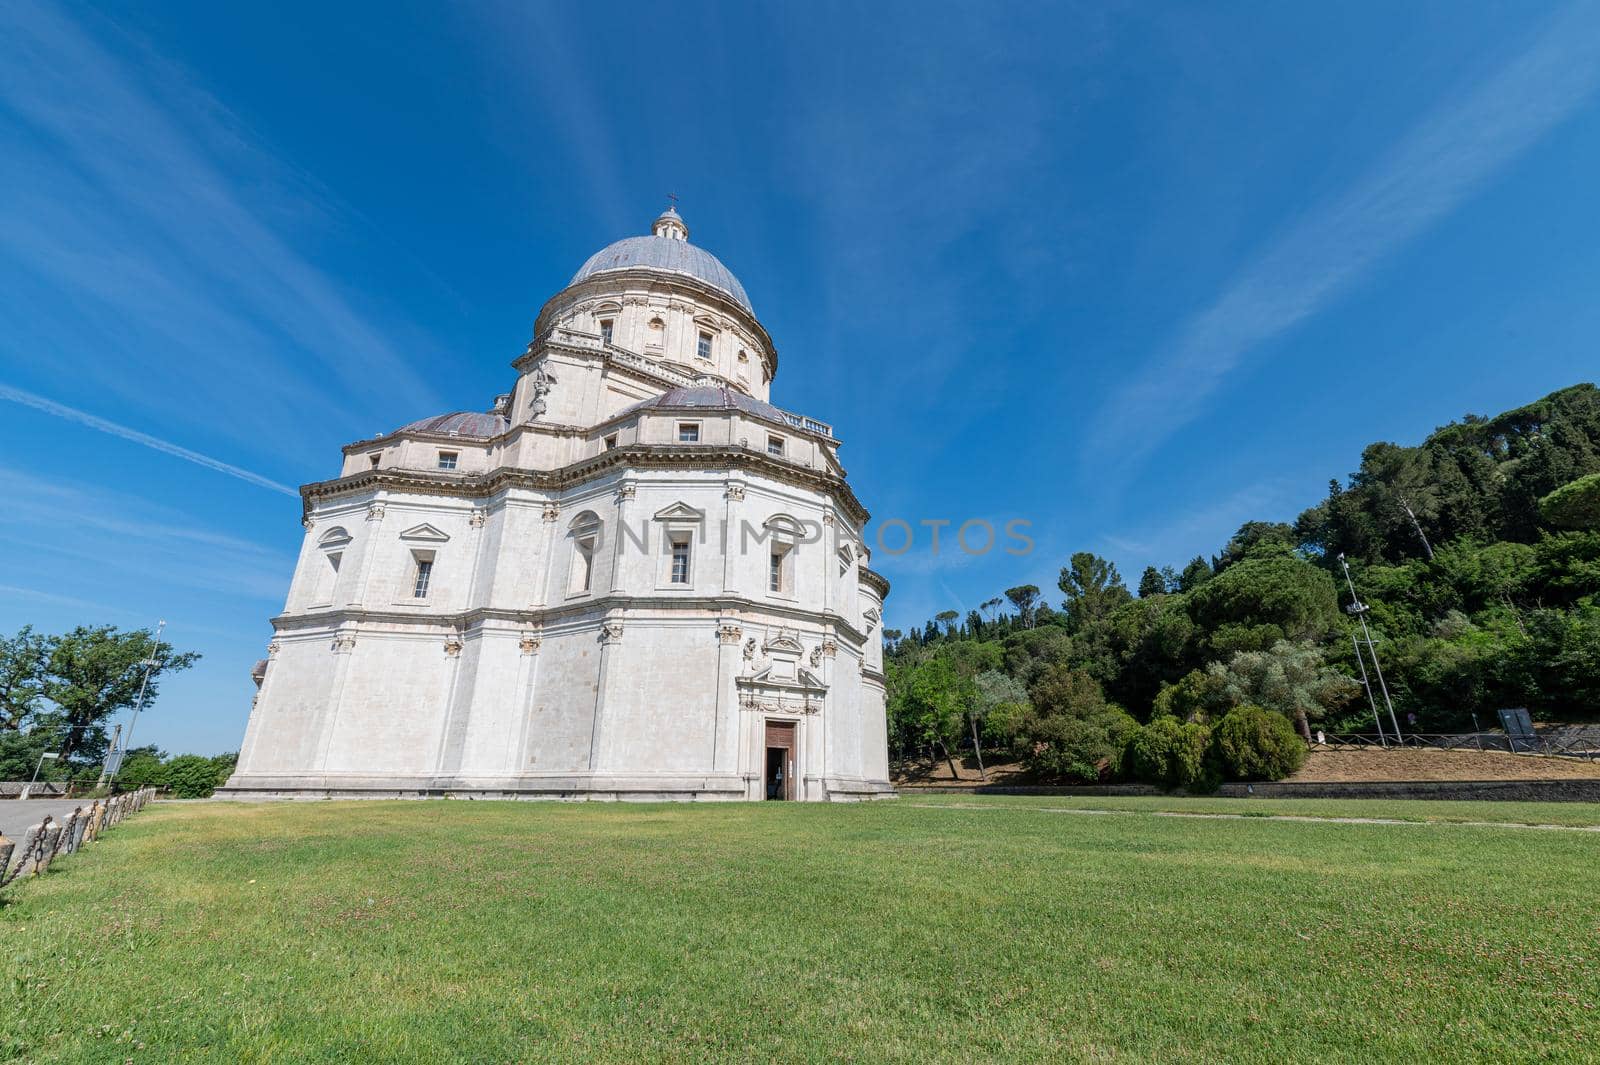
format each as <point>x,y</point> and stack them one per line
<point>779,769</point>
<point>776,777</point>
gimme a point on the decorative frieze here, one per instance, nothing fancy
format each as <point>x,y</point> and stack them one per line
<point>728,632</point>
<point>552,511</point>
<point>735,491</point>
<point>610,631</point>
<point>477,519</point>
<point>530,642</point>
<point>375,512</point>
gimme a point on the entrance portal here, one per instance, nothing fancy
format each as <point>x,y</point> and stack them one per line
<point>779,769</point>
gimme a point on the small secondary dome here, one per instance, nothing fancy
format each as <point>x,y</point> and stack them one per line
<point>667,249</point>
<point>461,423</point>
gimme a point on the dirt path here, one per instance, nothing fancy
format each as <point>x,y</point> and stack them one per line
<point>1252,817</point>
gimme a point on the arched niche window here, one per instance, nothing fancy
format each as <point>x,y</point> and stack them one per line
<point>330,549</point>
<point>605,320</point>
<point>655,334</point>
<point>584,536</point>
<point>784,535</point>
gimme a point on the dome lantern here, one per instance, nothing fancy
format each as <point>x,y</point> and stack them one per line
<point>670,225</point>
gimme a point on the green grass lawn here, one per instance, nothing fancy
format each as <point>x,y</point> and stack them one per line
<point>500,932</point>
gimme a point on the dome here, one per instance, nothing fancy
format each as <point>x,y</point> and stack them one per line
<point>711,397</point>
<point>460,423</point>
<point>667,249</point>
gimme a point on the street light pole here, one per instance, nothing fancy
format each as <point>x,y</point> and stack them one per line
<point>1359,609</point>
<point>1366,682</point>
<point>113,763</point>
<point>47,756</point>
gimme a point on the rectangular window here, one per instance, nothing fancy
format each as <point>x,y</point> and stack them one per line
<point>775,571</point>
<point>680,560</point>
<point>605,330</point>
<point>688,432</point>
<point>582,566</point>
<point>703,346</point>
<point>775,446</point>
<point>447,459</point>
<point>375,458</point>
<point>419,589</point>
<point>611,441</point>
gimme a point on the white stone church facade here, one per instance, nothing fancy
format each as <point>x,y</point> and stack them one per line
<point>632,578</point>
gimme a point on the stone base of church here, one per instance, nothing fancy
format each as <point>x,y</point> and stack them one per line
<point>575,787</point>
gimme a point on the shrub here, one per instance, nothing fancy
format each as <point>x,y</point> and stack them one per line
<point>1170,753</point>
<point>1070,732</point>
<point>1196,696</point>
<point>1250,743</point>
<point>190,776</point>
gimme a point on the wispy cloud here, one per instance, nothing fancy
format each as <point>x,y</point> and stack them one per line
<point>102,533</point>
<point>72,414</point>
<point>1176,538</point>
<point>63,600</point>
<point>145,203</point>
<point>1445,159</point>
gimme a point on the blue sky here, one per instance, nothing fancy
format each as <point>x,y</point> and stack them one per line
<point>1132,273</point>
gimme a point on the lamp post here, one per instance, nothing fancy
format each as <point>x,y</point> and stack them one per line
<point>47,756</point>
<point>1359,609</point>
<point>1366,682</point>
<point>114,756</point>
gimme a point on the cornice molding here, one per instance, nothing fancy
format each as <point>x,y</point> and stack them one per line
<point>751,612</point>
<point>876,581</point>
<point>702,457</point>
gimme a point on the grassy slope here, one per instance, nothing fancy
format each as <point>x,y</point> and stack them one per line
<point>520,932</point>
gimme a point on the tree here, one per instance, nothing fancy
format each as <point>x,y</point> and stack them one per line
<point>1575,505</point>
<point>189,776</point>
<point>930,703</point>
<point>1001,704</point>
<point>1151,582</point>
<point>141,766</point>
<point>1024,597</point>
<point>1260,600</point>
<point>947,618</point>
<point>22,662</point>
<point>1290,678</point>
<point>1257,539</point>
<point>1070,731</point>
<point>1195,696</point>
<point>1093,589</point>
<point>1196,573</point>
<point>94,673</point>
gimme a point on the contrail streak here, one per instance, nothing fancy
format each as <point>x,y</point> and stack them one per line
<point>155,443</point>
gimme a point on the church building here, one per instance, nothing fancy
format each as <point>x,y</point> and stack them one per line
<point>633,577</point>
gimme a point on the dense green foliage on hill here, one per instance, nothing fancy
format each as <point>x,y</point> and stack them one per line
<point>1477,553</point>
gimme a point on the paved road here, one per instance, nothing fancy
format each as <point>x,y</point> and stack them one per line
<point>18,815</point>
